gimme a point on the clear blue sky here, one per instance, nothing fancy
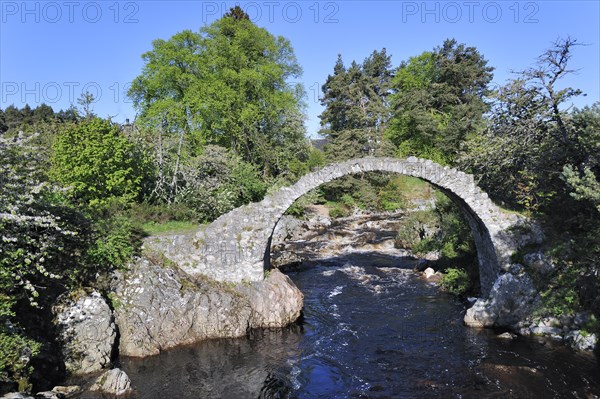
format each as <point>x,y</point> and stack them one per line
<point>51,51</point>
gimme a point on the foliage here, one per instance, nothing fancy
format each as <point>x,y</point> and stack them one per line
<point>354,119</point>
<point>36,228</point>
<point>316,159</point>
<point>42,243</point>
<point>115,241</point>
<point>585,187</point>
<point>225,85</point>
<point>172,226</point>
<point>355,101</point>
<point>440,228</point>
<point>297,209</point>
<point>539,155</point>
<point>47,247</point>
<point>102,167</point>
<point>521,156</point>
<point>218,181</point>
<point>416,228</point>
<point>15,352</point>
<point>145,212</point>
<point>438,100</point>
<point>337,209</point>
<point>456,281</point>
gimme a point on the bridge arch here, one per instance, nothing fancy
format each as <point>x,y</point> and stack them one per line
<point>236,246</point>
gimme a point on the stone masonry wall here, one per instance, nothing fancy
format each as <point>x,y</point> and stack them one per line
<point>235,247</point>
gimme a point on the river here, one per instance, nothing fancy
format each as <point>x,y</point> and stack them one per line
<point>371,328</point>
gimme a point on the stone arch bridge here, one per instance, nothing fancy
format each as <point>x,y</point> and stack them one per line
<point>236,246</point>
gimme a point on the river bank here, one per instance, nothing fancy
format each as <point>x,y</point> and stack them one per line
<point>154,307</point>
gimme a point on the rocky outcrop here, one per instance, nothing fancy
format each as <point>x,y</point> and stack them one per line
<point>513,299</point>
<point>510,301</point>
<point>113,382</point>
<point>159,307</point>
<point>572,329</point>
<point>86,331</point>
<point>582,341</point>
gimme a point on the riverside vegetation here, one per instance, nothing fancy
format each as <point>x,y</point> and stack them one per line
<point>219,126</point>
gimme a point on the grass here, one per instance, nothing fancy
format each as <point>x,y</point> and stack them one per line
<point>413,188</point>
<point>512,211</point>
<point>171,227</point>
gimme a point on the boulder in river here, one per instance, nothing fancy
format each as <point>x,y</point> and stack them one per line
<point>275,301</point>
<point>582,341</point>
<point>510,301</point>
<point>158,306</point>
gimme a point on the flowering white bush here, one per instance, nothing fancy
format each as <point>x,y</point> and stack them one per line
<point>32,231</point>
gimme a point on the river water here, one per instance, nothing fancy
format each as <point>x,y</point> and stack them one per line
<point>371,328</point>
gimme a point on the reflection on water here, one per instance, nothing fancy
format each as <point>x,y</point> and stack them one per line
<point>371,329</point>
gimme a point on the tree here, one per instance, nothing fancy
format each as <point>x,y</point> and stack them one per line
<point>218,181</point>
<point>31,228</point>
<point>356,109</point>
<point>438,100</point>
<point>225,85</point>
<point>26,114</point>
<point>354,120</point>
<point>43,113</point>
<point>99,164</point>
<point>71,114</point>
<point>3,127</point>
<point>12,117</point>
<point>85,101</point>
<point>531,136</point>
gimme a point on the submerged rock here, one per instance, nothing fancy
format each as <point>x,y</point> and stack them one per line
<point>86,332</point>
<point>507,336</point>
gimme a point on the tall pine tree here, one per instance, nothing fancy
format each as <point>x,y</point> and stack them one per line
<point>438,100</point>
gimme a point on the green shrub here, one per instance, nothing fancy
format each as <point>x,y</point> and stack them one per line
<point>413,232</point>
<point>337,210</point>
<point>116,241</point>
<point>348,201</point>
<point>98,163</point>
<point>456,281</point>
<point>297,209</point>
<point>160,213</point>
<point>218,181</point>
<point>15,353</point>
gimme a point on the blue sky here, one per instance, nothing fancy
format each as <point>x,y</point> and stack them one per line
<point>51,51</point>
